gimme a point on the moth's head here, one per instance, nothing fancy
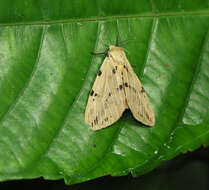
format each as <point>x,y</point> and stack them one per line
<point>114,50</point>
<point>116,53</point>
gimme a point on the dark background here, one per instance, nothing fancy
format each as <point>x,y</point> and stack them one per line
<point>187,171</point>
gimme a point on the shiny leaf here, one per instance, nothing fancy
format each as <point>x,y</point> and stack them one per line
<point>46,74</point>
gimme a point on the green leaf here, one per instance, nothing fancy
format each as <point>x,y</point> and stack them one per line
<point>169,175</point>
<point>46,73</point>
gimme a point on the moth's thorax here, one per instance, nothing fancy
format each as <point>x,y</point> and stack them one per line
<point>114,49</point>
<point>117,54</point>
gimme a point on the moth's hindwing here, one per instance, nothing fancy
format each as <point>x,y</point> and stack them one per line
<point>136,97</point>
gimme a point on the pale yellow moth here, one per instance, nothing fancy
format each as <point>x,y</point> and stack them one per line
<point>115,89</point>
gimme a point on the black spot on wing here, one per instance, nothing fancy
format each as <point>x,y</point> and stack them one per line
<point>99,73</point>
<point>121,87</point>
<point>147,116</point>
<point>126,84</point>
<point>113,71</point>
<point>142,89</point>
<point>92,92</point>
<point>96,121</point>
<point>125,68</point>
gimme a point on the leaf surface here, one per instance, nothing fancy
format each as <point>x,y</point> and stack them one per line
<point>46,74</point>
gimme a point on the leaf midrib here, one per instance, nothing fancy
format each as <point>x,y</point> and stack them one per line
<point>114,17</point>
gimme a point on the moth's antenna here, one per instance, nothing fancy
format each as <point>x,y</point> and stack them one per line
<point>105,53</point>
<point>104,44</point>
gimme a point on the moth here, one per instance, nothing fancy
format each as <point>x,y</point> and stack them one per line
<point>116,89</point>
